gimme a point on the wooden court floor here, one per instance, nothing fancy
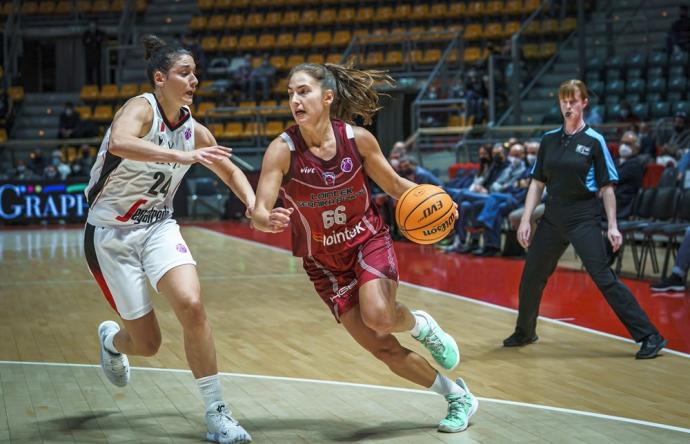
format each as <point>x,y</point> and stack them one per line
<point>292,374</point>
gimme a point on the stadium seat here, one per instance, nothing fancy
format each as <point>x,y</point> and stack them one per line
<point>290,18</point>
<point>568,25</point>
<point>108,93</point>
<point>247,42</point>
<point>303,40</point>
<point>235,21</point>
<point>205,5</point>
<point>103,113</point>
<point>402,12</point>
<point>29,8</point>
<point>547,50</point>
<point>334,57</point>
<point>681,107</point>
<point>216,129</point>
<point>254,20</point>
<point>474,9</point>
<point>145,88</point>
<point>251,129</point>
<point>615,87</point>
<point>420,11</point>
<point>309,17</point>
<point>84,6</point>
<point>456,10</point>
<point>232,130</point>
<point>374,58</point>
<point>636,86</point>
<point>274,127</point>
<point>656,85</point>
<point>513,7</point>
<point>46,7</point>
<point>473,32</point>
<point>660,109</point>
<point>678,58</point>
<point>284,40</point>
<point>3,135</point>
<point>272,19</point>
<point>633,73</point>
<point>636,60</point>
<point>641,110</point>
<point>204,108</point>
<point>227,43</point>
<point>198,23</point>
<point>89,93</point>
<point>657,59</point>
<point>678,84</point>
<point>216,22</point>
<point>295,60</point>
<point>84,112</point>
<point>438,11</point>
<point>100,7</point>
<point>327,17</point>
<point>365,14</point>
<point>393,58</point>
<point>317,59</point>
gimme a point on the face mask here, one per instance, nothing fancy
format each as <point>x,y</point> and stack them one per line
<point>514,161</point>
<point>56,161</point>
<point>531,158</point>
<point>625,151</point>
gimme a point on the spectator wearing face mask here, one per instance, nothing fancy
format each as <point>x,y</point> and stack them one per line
<point>62,168</point>
<point>22,172</point>
<point>472,204</point>
<point>679,141</point>
<point>630,173</point>
<point>410,170</point>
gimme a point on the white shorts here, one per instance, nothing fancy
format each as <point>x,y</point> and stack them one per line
<point>120,259</point>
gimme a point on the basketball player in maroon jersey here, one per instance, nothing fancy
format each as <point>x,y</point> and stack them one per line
<point>320,168</point>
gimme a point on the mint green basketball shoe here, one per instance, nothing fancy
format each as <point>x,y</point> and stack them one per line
<point>460,410</point>
<point>440,344</point>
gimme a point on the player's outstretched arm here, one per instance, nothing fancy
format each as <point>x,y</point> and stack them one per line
<point>377,167</point>
<point>275,166</point>
<point>133,121</point>
<point>224,168</point>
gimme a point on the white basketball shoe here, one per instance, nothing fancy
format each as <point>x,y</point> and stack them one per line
<point>223,428</point>
<point>115,366</point>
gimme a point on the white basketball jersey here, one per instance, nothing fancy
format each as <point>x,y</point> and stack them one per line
<point>125,192</point>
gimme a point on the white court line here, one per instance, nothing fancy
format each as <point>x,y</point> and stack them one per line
<point>378,387</point>
<point>457,296</point>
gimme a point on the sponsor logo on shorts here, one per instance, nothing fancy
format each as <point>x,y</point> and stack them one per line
<point>339,236</point>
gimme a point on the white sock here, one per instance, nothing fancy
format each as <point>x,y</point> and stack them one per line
<point>419,323</point>
<point>109,343</point>
<point>444,386</point>
<point>210,389</point>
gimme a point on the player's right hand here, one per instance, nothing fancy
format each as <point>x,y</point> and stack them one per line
<point>206,156</point>
<point>279,219</point>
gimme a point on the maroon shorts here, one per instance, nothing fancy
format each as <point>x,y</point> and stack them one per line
<point>337,278</point>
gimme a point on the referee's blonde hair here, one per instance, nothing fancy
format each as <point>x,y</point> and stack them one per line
<point>568,89</point>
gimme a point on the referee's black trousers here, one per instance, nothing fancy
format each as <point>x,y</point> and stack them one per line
<point>578,223</point>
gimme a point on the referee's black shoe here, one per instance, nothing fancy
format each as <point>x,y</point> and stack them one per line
<point>651,346</point>
<point>518,340</point>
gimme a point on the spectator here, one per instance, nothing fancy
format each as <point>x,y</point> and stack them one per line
<point>646,142</point>
<point>498,205</point>
<point>630,173</point>
<point>240,69</point>
<point>410,170</point>
<point>626,115</point>
<point>87,159</point>
<point>50,172</point>
<point>69,122</point>
<point>93,40</point>
<point>676,280</point>
<point>679,35</point>
<point>76,171</point>
<point>62,168</point>
<point>680,139</point>
<point>592,116</point>
<point>684,170</point>
<point>262,76</point>
<point>37,162</point>
<point>23,173</point>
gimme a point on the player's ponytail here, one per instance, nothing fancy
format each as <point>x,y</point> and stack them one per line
<point>160,56</point>
<point>354,89</point>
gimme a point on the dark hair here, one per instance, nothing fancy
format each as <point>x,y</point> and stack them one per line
<point>354,89</point>
<point>160,56</point>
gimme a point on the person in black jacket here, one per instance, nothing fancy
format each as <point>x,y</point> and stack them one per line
<point>630,174</point>
<point>576,166</point>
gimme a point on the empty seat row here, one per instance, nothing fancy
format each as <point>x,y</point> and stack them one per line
<point>402,11</point>
<point>49,7</point>
<point>110,92</point>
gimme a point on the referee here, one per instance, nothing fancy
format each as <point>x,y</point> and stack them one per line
<point>574,164</point>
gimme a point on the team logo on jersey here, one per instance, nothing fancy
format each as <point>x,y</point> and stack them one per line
<point>346,165</point>
<point>182,248</point>
<point>187,134</point>
<point>581,149</point>
<point>328,177</point>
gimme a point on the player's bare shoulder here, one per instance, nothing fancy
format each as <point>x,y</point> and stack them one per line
<point>135,111</point>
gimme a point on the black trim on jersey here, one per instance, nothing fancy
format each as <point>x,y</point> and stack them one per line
<point>111,162</point>
<point>184,116</point>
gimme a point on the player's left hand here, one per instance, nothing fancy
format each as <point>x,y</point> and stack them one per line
<point>455,208</point>
<point>615,238</point>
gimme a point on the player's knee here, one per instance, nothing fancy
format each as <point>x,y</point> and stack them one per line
<point>149,346</point>
<point>381,321</point>
<point>191,312</point>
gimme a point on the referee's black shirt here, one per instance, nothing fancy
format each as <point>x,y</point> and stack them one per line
<point>574,167</point>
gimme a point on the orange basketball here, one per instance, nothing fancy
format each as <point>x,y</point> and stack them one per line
<point>425,214</point>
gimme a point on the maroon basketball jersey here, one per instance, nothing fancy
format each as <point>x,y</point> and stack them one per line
<point>331,198</point>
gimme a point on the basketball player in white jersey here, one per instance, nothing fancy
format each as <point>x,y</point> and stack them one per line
<point>131,235</point>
